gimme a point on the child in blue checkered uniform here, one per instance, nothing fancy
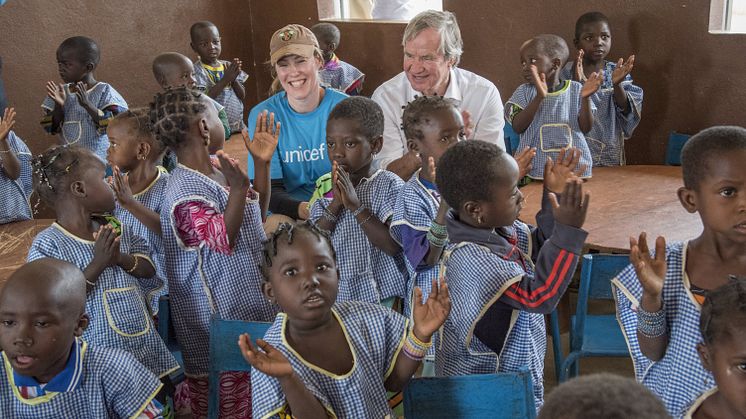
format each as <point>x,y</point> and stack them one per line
<point>47,370</point>
<point>80,109</point>
<point>658,299</point>
<point>503,275</point>
<point>325,358</point>
<point>221,80</point>
<point>371,262</point>
<point>723,328</point>
<point>432,124</point>
<point>551,114</point>
<point>139,184</point>
<point>116,262</point>
<point>211,223</point>
<point>15,173</point>
<point>618,101</point>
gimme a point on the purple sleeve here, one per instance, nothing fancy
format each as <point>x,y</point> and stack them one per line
<point>415,245</point>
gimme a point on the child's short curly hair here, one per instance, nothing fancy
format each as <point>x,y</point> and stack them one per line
<point>86,49</point>
<point>140,120</point>
<point>420,111</point>
<point>723,311</point>
<point>56,168</point>
<point>289,230</point>
<point>363,110</point>
<point>465,170</point>
<point>172,111</point>
<point>697,155</point>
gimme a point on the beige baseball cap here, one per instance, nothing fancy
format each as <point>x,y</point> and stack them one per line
<point>292,39</point>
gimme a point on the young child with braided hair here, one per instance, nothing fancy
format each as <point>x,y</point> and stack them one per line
<point>327,358</point>
<point>723,352</point>
<point>139,183</point>
<point>115,261</point>
<point>211,224</point>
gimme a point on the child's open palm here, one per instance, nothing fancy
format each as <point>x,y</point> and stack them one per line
<point>6,124</point>
<point>623,68</point>
<point>651,272</point>
<point>592,84</point>
<point>431,168</point>
<point>106,246</point>
<point>234,175</point>
<point>566,167</point>
<point>579,73</point>
<point>430,315</point>
<point>82,95</point>
<point>572,205</point>
<point>56,92</point>
<point>266,137</point>
<point>539,81</point>
<point>346,190</point>
<point>122,188</point>
<point>525,160</point>
<point>233,70</point>
<point>265,358</point>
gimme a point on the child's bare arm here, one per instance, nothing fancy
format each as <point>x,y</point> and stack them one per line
<point>617,77</point>
<point>232,71</point>
<point>261,148</point>
<point>270,361</point>
<point>428,318</point>
<point>145,215</point>
<point>434,252</point>
<point>57,93</point>
<point>135,265</point>
<point>376,230</point>
<point>651,273</point>
<point>9,162</point>
<point>239,186</point>
<point>523,119</point>
<point>585,118</point>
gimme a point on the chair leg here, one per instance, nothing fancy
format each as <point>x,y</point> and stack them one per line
<point>570,362</point>
<point>575,368</point>
<point>556,344</point>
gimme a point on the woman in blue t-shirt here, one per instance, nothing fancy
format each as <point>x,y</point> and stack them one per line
<point>302,107</point>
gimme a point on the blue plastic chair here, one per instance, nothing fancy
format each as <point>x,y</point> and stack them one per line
<point>225,355</point>
<point>676,142</point>
<point>591,335</point>
<point>166,331</point>
<point>493,396</point>
<point>512,139</point>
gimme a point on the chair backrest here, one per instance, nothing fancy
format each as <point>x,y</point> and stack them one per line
<point>676,142</point>
<point>494,396</point>
<point>225,355</point>
<point>512,139</point>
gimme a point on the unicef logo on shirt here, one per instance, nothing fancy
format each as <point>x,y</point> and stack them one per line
<point>302,155</point>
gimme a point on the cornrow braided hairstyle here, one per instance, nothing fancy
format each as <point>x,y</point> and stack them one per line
<point>419,111</point>
<point>269,246</point>
<point>139,118</point>
<point>724,310</point>
<point>56,168</point>
<point>172,111</point>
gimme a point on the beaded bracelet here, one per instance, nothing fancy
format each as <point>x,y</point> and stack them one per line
<point>435,240</point>
<point>329,216</point>
<point>358,211</point>
<point>414,348</point>
<point>132,269</point>
<point>651,325</point>
<point>438,230</point>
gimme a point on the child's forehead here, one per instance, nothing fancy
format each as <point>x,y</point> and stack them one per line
<point>596,26</point>
<point>69,53</point>
<point>206,32</point>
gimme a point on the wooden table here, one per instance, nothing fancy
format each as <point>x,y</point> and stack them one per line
<point>15,241</point>
<point>627,200</point>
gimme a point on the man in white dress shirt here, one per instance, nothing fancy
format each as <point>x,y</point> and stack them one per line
<point>432,49</point>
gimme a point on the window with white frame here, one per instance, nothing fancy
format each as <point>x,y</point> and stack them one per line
<point>397,10</point>
<point>728,16</point>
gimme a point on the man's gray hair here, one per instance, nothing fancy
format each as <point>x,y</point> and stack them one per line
<point>451,44</point>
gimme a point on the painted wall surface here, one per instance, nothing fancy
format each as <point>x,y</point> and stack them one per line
<point>691,78</point>
<point>130,34</point>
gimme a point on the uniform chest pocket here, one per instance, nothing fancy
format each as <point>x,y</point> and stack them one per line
<point>71,131</point>
<point>555,137</point>
<point>126,312</point>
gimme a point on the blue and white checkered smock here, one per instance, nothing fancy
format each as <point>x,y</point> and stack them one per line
<point>118,313</point>
<point>203,282</point>
<point>555,125</point>
<point>151,198</point>
<point>228,98</point>
<point>78,127</point>
<point>366,272</point>
<point>112,385</point>
<point>476,279</point>
<point>679,377</point>
<point>416,208</point>
<point>15,194</point>
<point>610,125</point>
<point>375,335</point>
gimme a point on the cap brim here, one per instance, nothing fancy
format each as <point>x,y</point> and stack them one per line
<point>293,49</point>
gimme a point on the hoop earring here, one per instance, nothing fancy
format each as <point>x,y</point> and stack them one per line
<point>479,219</point>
